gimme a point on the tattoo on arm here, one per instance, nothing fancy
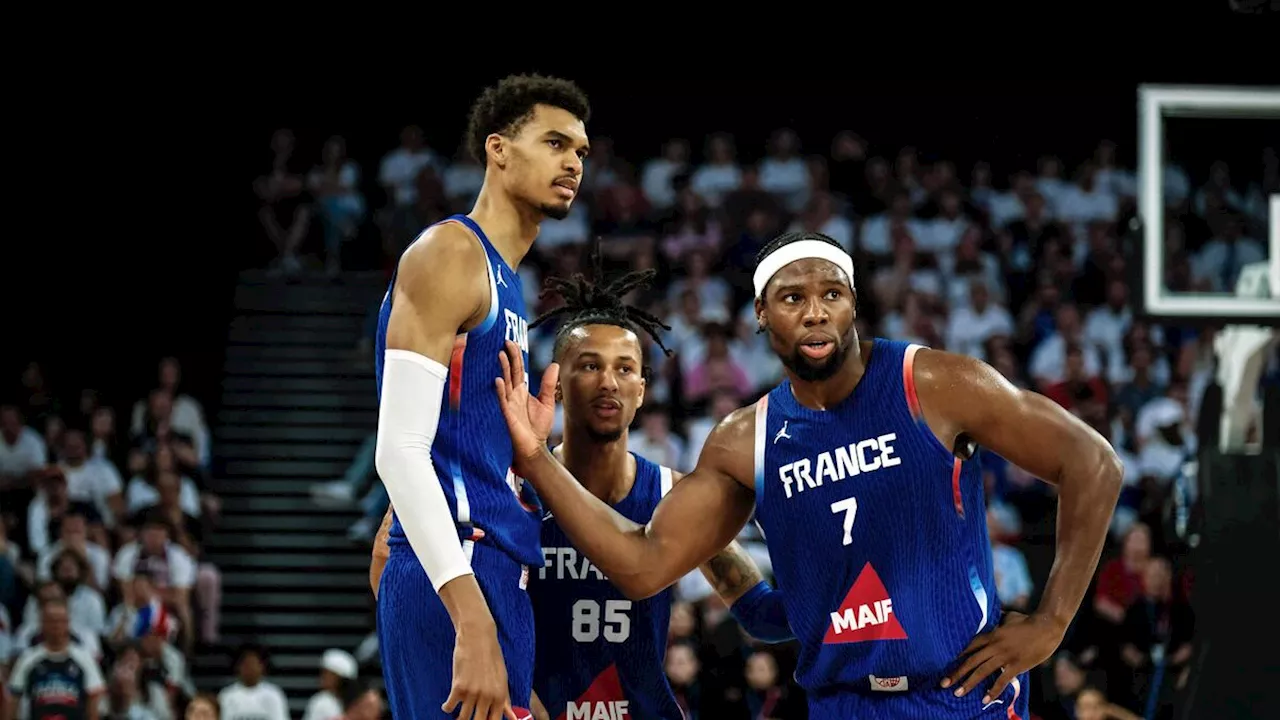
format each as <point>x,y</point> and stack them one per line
<point>732,573</point>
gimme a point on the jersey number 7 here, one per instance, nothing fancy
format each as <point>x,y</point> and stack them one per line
<point>848,506</point>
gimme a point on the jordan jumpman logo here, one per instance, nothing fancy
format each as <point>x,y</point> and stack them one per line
<point>782,433</point>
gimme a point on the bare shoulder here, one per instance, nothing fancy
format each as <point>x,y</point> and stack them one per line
<point>958,393</point>
<point>730,448</point>
<point>953,375</point>
<point>445,261</point>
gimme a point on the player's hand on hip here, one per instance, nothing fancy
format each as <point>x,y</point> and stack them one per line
<point>1019,644</point>
<point>479,678</point>
<point>528,419</point>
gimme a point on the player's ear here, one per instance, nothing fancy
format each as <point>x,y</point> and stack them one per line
<point>760,324</point>
<point>495,146</point>
<point>559,393</point>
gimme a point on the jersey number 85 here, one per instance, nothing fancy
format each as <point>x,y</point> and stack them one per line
<point>589,622</point>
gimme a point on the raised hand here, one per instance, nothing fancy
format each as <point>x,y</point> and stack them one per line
<point>529,420</point>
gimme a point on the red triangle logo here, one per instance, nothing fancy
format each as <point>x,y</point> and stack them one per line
<point>865,614</point>
<point>607,687</point>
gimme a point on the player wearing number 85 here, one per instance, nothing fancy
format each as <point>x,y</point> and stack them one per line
<point>599,653</point>
<point>859,468</point>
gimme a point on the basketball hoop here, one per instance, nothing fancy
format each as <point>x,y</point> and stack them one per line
<point>1243,352</point>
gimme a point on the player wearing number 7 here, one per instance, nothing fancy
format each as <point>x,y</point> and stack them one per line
<point>859,470</point>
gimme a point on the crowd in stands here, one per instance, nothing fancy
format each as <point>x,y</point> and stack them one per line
<point>104,590</point>
<point>1029,274</point>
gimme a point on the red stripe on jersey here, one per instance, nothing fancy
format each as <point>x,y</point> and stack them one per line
<point>955,486</point>
<point>455,371</point>
<point>909,381</point>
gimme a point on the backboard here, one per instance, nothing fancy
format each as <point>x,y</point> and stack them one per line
<point>1226,105</point>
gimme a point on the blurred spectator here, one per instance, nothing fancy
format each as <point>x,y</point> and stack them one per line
<point>341,207</point>
<point>285,212</point>
<point>398,173</point>
<point>1120,579</point>
<point>184,412</point>
<point>658,174</point>
<point>168,566</point>
<point>1013,580</point>
<point>719,175</point>
<point>22,459</point>
<point>87,608</point>
<point>91,481</point>
<point>1092,704</point>
<point>1156,642</point>
<point>783,172</point>
<point>252,695</point>
<point>768,696</point>
<point>972,324</point>
<point>682,674</point>
<point>715,371</point>
<point>202,707</point>
<point>338,670</point>
<point>655,440</point>
<point>54,677</point>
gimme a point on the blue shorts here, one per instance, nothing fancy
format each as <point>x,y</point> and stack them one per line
<point>416,639</point>
<point>933,703</point>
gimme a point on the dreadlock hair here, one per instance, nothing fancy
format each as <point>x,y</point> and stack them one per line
<point>587,301</point>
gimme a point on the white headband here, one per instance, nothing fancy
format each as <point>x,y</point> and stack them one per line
<point>788,254</point>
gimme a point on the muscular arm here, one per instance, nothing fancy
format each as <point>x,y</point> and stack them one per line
<point>695,520</point>
<point>961,395</point>
<point>439,291</point>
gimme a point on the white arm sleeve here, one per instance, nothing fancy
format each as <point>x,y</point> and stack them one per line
<point>412,390</point>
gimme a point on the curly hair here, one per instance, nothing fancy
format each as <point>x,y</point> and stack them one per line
<point>590,301</point>
<point>505,107</point>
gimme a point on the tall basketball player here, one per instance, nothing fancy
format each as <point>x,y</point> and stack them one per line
<point>599,653</point>
<point>455,625</point>
<point>858,467</point>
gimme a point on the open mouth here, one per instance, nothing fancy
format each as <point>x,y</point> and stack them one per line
<point>817,349</point>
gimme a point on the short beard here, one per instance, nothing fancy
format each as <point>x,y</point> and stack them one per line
<point>555,212</point>
<point>603,437</point>
<point>805,370</point>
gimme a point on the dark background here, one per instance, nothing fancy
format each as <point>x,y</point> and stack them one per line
<point>144,262</point>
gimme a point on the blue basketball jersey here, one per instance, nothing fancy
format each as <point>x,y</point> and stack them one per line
<point>600,655</point>
<point>879,542</point>
<point>472,447</point>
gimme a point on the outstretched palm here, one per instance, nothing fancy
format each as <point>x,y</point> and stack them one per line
<point>529,420</point>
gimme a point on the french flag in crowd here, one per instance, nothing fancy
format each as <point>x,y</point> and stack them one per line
<point>154,619</point>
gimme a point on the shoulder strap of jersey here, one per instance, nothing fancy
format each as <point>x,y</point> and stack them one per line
<point>665,480</point>
<point>762,422</point>
<point>492,315</point>
<point>913,404</point>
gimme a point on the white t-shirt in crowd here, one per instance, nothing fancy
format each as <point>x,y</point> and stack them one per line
<point>25,455</point>
<point>264,701</point>
<point>174,569</point>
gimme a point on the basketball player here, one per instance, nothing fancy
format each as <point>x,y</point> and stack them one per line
<point>465,531</point>
<point>859,469</point>
<point>599,654</point>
